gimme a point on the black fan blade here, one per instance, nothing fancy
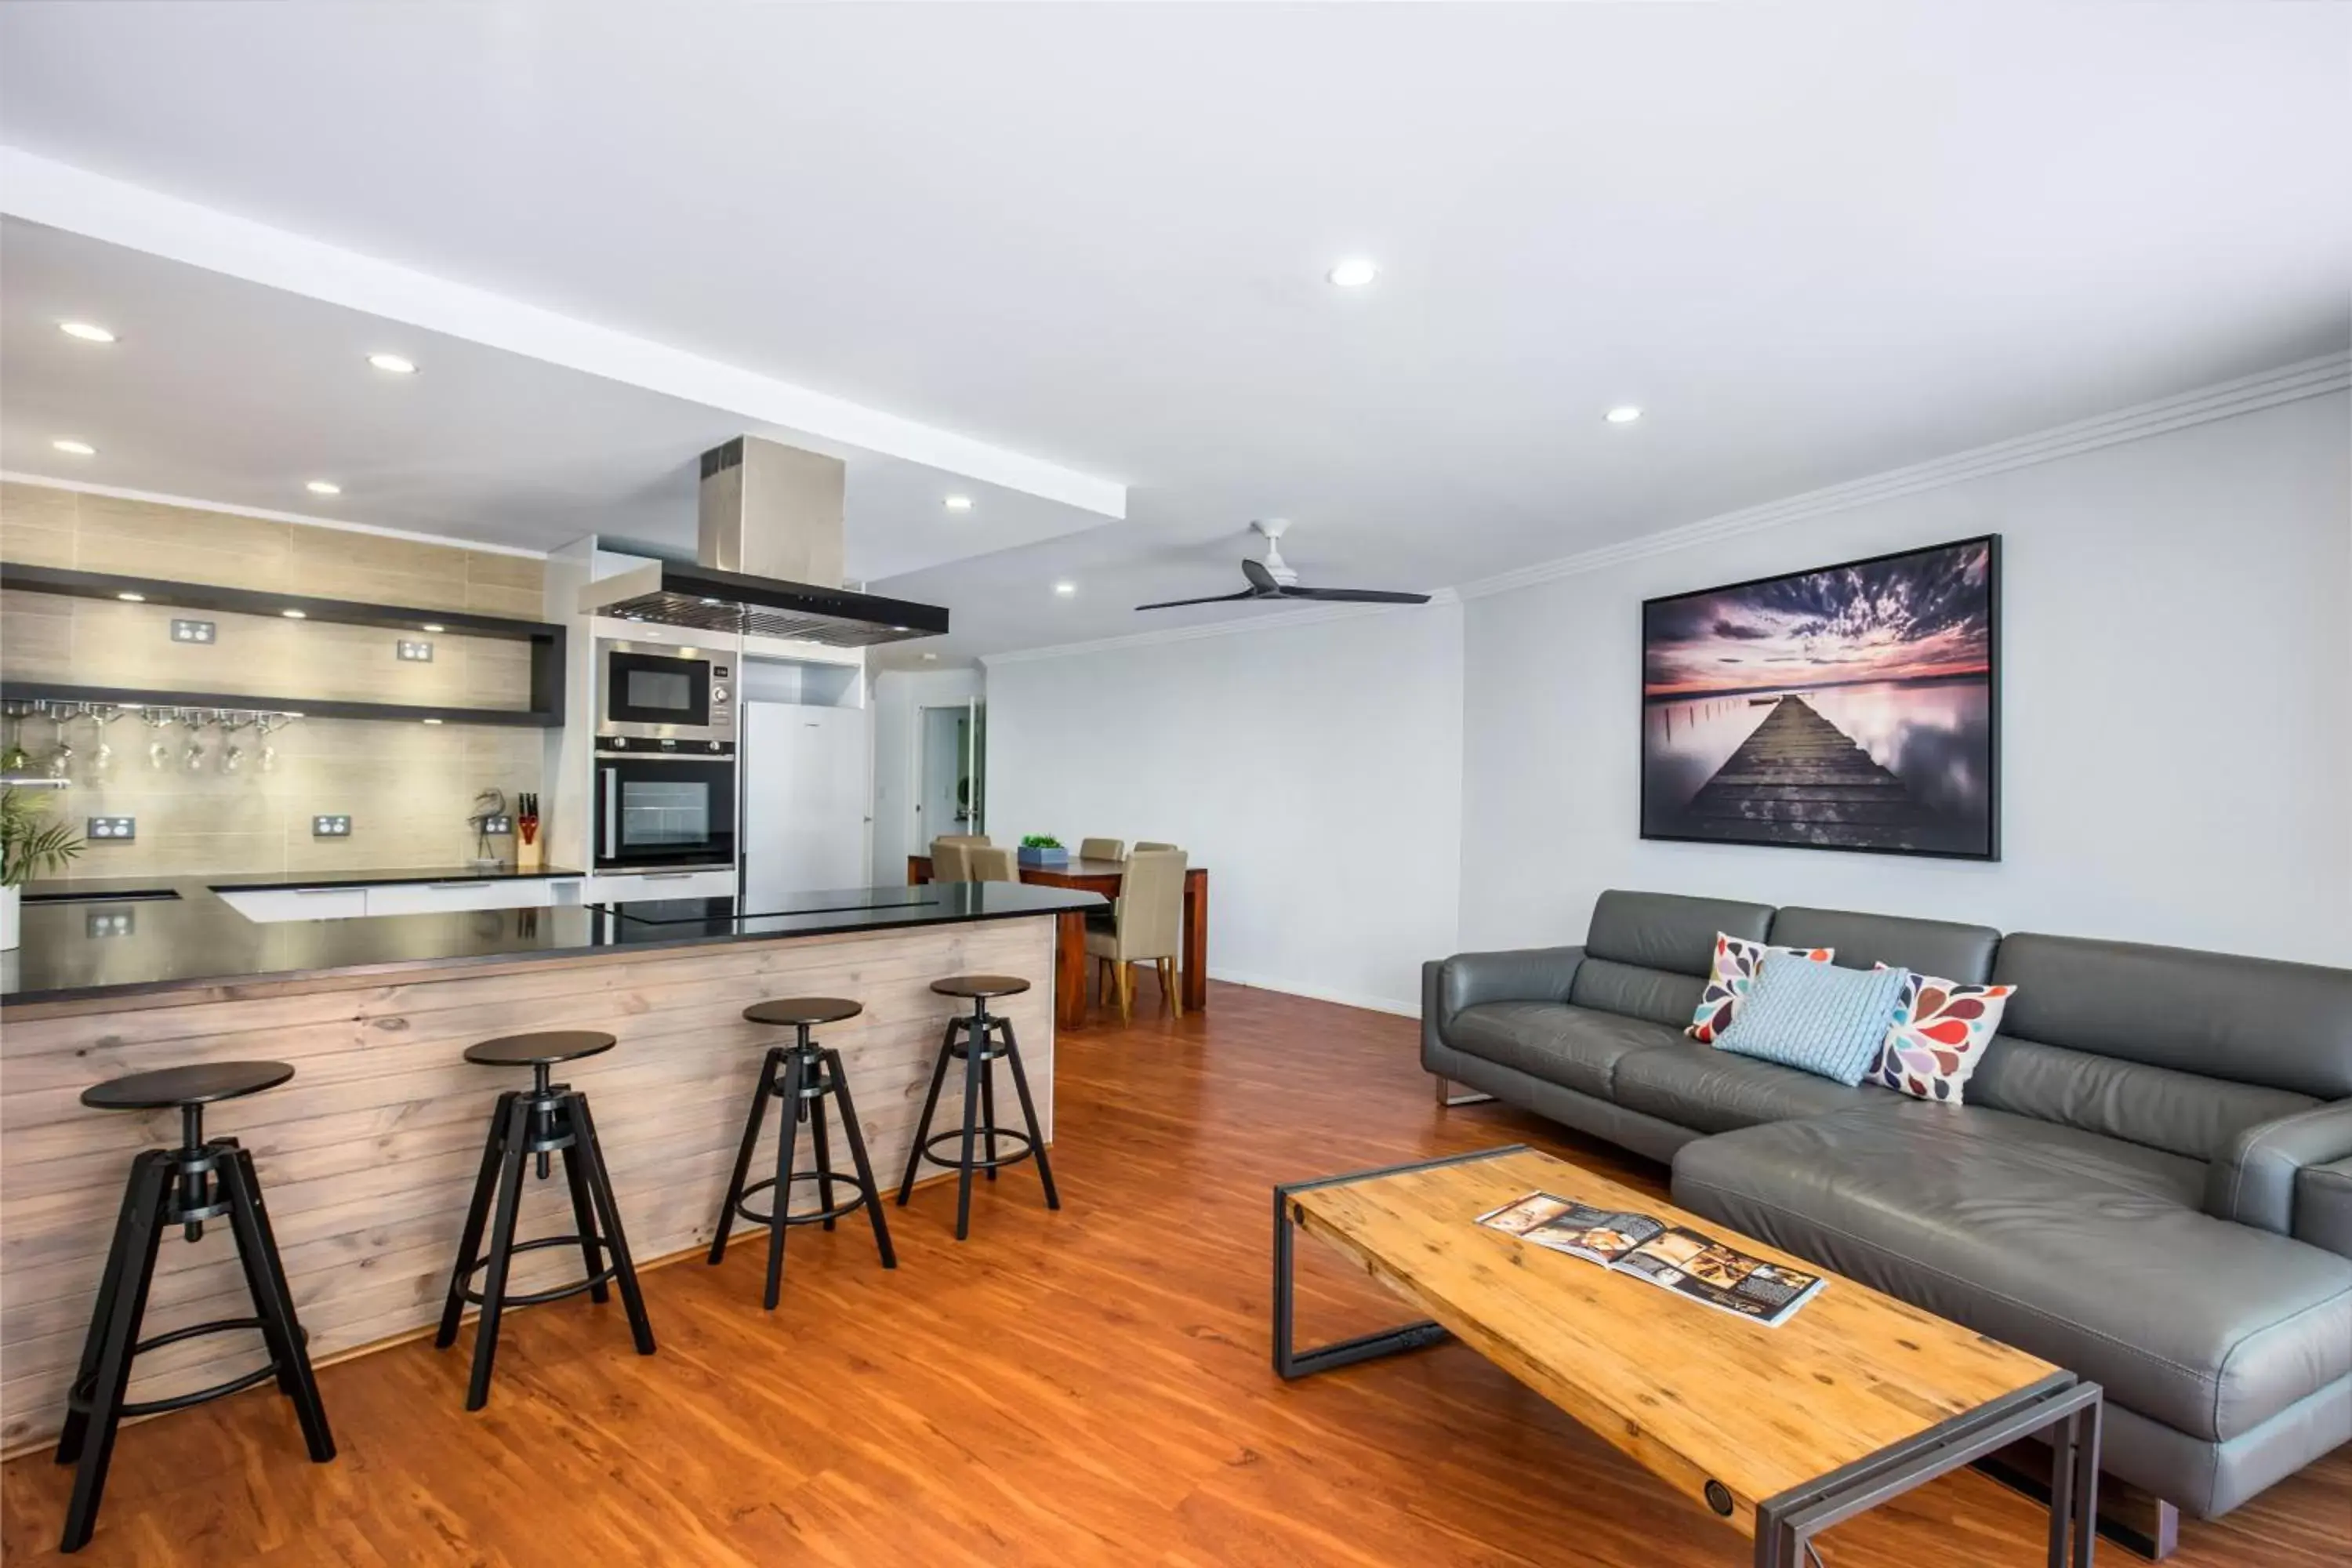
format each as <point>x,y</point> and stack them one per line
<point>1213,599</point>
<point>1356,595</point>
<point>1260,578</point>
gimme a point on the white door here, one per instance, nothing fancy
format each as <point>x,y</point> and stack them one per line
<point>804,801</point>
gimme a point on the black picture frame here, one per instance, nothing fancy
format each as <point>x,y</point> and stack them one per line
<point>1931,833</point>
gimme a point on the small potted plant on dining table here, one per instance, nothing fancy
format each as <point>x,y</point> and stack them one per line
<point>1043,850</point>
<point>30,846</point>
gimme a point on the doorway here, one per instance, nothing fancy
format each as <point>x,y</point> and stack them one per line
<point>950,794</point>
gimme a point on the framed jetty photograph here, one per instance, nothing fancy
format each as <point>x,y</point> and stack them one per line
<point>1848,707</point>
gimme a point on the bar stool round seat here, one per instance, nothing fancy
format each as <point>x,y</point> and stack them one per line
<point>202,1179</point>
<point>788,1011</point>
<point>203,1083</point>
<point>543,1048</point>
<point>981,987</point>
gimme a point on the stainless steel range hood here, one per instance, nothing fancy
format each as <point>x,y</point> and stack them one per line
<point>769,547</point>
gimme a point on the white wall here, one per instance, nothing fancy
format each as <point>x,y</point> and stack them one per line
<point>899,697</point>
<point>2176,695</point>
<point>1313,769</point>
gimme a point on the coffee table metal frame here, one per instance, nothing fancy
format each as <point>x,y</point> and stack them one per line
<point>2062,1409</point>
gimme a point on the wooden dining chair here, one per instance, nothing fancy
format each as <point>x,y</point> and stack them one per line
<point>992,863</point>
<point>952,861</point>
<point>1148,928</point>
<point>1102,849</point>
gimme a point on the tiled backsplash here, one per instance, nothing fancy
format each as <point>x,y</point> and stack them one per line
<point>407,787</point>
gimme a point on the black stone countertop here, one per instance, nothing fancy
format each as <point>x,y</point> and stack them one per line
<point>100,938</point>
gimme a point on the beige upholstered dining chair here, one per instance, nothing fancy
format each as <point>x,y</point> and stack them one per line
<point>951,858</point>
<point>1142,847</point>
<point>993,864</point>
<point>1102,849</point>
<point>1148,928</point>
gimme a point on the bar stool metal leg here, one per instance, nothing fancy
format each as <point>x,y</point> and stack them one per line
<point>478,1216</point>
<point>600,1186</point>
<point>583,1216</point>
<point>1029,1113</point>
<point>770,1064</point>
<point>975,1068</point>
<point>788,1121</point>
<point>502,1228</point>
<point>988,1111</point>
<point>812,1066</point>
<point>115,1331</point>
<point>857,1139</point>
<point>931,1104</point>
<point>273,1301</point>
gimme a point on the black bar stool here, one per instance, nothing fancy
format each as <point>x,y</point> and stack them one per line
<point>980,1052</point>
<point>804,1075</point>
<point>550,1117</point>
<point>186,1187</point>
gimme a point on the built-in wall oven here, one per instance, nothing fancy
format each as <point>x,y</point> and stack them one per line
<point>654,691</point>
<point>665,804</point>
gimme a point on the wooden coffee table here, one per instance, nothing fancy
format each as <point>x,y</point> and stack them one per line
<point>1780,1432</point>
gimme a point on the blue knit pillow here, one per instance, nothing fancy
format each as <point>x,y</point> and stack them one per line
<point>1824,1020</point>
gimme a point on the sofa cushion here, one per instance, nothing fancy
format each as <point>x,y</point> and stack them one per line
<point>1863,941</point>
<point>1660,995</point>
<point>1710,1090</point>
<point>2086,1251</point>
<point>1941,1030</point>
<point>1817,1018</point>
<point>1667,931</point>
<point>2323,1205</point>
<point>2247,1020</point>
<point>2180,1112</point>
<point>1575,1047</point>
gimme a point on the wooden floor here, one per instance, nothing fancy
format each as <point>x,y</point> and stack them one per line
<point>1802,780</point>
<point>1085,1388</point>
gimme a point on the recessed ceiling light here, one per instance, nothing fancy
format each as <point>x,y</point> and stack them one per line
<point>1624,415</point>
<point>295,614</point>
<point>323,488</point>
<point>132,598</point>
<point>1353,273</point>
<point>87,332</point>
<point>432,720</point>
<point>395,363</point>
<point>67,444</point>
<point>959,503</point>
<point>432,626</point>
<point>930,658</point>
<point>1065,589</point>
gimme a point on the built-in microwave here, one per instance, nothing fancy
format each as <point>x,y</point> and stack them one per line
<point>666,805</point>
<point>652,692</point>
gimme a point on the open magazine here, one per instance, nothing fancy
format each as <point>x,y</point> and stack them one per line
<point>1671,1256</point>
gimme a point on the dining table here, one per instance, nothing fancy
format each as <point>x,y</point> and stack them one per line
<point>1104,877</point>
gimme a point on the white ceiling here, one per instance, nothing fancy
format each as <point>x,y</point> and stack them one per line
<point>225,391</point>
<point>1814,243</point>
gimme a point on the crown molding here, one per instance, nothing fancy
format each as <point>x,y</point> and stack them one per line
<point>44,191</point>
<point>2288,383</point>
<point>1311,616</point>
<point>192,503</point>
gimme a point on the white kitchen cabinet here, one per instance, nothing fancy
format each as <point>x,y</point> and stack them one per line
<point>296,903</point>
<point>621,887</point>
<point>437,898</point>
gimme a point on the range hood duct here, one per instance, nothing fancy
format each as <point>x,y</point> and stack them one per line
<point>769,543</point>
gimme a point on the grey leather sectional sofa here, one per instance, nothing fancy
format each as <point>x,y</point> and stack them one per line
<point>2149,1181</point>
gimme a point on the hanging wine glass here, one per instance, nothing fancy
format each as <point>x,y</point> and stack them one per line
<point>159,750</point>
<point>263,725</point>
<point>101,762</point>
<point>192,757</point>
<point>15,760</point>
<point>233,754</point>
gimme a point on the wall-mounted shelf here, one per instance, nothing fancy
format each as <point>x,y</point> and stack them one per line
<point>547,642</point>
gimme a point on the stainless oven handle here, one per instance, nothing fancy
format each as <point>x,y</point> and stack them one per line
<point>669,875</point>
<point>612,812</point>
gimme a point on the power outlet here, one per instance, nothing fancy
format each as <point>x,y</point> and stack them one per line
<point>108,922</point>
<point>331,827</point>
<point>192,631</point>
<point>498,825</point>
<point>113,829</point>
<point>417,652</point>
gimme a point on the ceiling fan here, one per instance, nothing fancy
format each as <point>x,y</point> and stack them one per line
<point>1275,579</point>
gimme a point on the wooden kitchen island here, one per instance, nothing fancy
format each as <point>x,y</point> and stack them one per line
<point>368,1156</point>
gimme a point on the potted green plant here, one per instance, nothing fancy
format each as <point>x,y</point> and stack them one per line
<point>30,846</point>
<point>1043,850</point>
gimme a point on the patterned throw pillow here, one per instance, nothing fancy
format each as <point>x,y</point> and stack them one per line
<point>1817,1018</point>
<point>1736,960</point>
<point>1941,1030</point>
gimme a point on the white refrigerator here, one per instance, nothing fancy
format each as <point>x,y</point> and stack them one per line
<point>804,796</point>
